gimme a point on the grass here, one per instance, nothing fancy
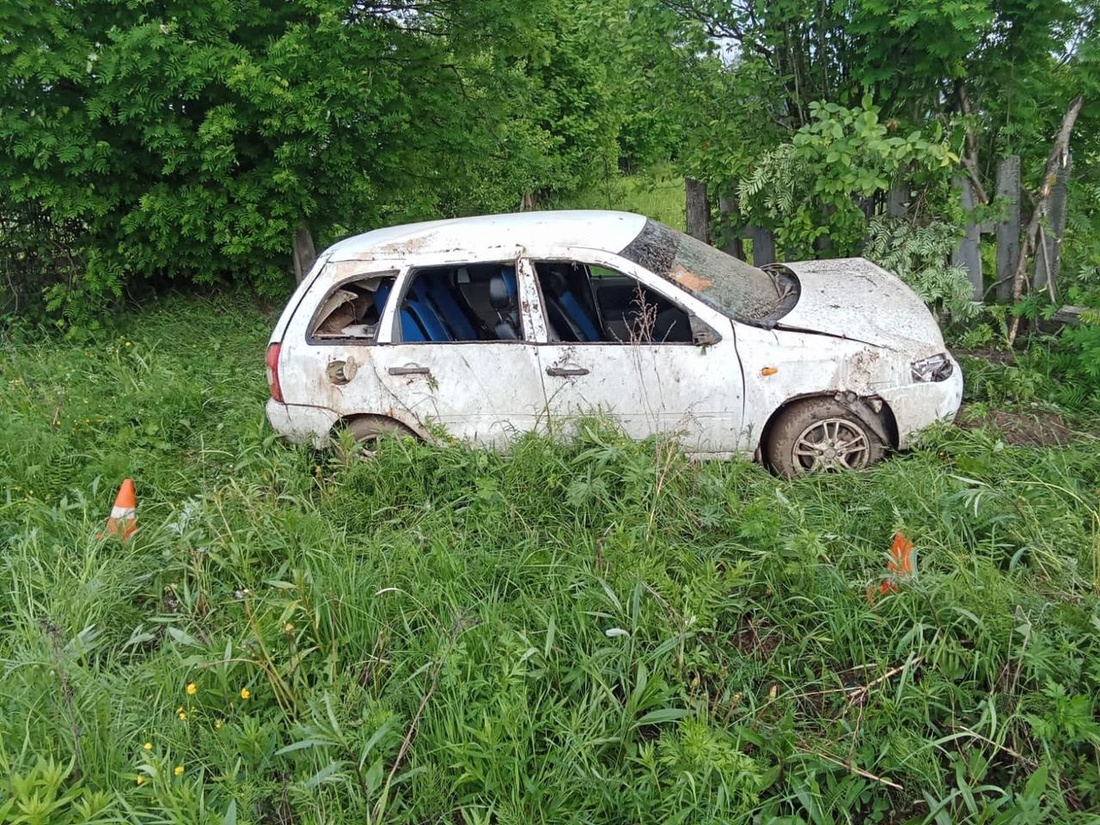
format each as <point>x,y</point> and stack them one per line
<point>599,631</point>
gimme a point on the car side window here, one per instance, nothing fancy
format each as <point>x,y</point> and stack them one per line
<point>353,309</point>
<point>454,304</point>
<point>594,304</point>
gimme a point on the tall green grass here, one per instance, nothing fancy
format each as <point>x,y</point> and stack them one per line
<point>599,631</point>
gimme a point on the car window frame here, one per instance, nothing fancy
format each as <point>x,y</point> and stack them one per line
<point>720,323</point>
<point>388,323</point>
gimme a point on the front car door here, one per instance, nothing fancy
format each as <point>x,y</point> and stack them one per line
<point>617,340</point>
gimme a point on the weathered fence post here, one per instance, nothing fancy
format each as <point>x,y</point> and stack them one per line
<point>1048,257</point>
<point>763,245</point>
<point>304,252</point>
<point>897,201</point>
<point>1008,228</point>
<point>697,209</point>
<point>968,253</point>
<point>730,226</point>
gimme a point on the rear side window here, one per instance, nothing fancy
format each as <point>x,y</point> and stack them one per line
<point>352,310</point>
<point>456,304</point>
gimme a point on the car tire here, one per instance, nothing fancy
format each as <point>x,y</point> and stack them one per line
<point>820,434</point>
<point>367,430</point>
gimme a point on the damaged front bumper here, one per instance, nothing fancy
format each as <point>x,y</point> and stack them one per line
<point>916,406</point>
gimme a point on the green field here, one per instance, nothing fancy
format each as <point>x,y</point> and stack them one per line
<point>592,632</point>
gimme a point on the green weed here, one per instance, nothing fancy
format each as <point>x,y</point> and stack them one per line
<point>597,630</point>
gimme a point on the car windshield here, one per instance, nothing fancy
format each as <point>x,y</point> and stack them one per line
<point>744,292</point>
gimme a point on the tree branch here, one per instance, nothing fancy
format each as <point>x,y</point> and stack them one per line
<point>970,159</point>
<point>1059,157</point>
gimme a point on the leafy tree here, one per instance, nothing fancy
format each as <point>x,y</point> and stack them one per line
<point>907,54</point>
<point>193,139</point>
<point>815,187</point>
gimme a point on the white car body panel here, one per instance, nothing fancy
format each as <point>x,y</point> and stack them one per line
<point>855,332</point>
<point>854,298</point>
<point>646,388</point>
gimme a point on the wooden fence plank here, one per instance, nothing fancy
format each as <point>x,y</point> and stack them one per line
<point>1008,228</point>
<point>763,245</point>
<point>1048,257</point>
<point>697,210</point>
<point>729,218</point>
<point>968,253</point>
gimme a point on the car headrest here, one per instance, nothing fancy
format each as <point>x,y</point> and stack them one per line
<point>553,281</point>
<point>499,295</point>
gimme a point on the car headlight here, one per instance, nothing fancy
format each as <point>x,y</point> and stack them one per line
<point>933,368</point>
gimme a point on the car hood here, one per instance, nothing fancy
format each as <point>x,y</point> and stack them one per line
<point>854,299</point>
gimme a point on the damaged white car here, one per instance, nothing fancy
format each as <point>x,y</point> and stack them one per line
<point>491,326</point>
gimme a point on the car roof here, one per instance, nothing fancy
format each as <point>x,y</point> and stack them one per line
<point>599,229</point>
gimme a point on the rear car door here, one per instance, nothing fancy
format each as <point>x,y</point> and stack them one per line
<point>453,352</point>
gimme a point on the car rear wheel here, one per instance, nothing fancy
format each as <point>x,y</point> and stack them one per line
<point>820,434</point>
<point>367,431</point>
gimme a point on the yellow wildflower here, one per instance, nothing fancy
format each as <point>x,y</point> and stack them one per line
<point>140,779</point>
<point>178,770</point>
<point>182,715</point>
<point>245,693</point>
<point>288,628</point>
<point>192,688</point>
<point>148,746</point>
<point>217,724</point>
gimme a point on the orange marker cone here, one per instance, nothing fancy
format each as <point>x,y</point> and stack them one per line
<point>902,565</point>
<point>123,520</point>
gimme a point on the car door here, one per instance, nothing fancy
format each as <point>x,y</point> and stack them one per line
<point>451,354</point>
<point>661,362</point>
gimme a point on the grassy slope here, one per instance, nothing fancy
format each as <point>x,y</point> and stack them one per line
<point>596,632</point>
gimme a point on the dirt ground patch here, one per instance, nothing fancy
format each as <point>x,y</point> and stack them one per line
<point>1030,428</point>
<point>1004,357</point>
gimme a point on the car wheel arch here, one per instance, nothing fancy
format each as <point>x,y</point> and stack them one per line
<point>873,411</point>
<point>369,426</point>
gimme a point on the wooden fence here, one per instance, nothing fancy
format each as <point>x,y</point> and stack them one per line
<point>1006,232</point>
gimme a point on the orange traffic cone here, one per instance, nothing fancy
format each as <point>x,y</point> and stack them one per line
<point>123,520</point>
<point>902,565</point>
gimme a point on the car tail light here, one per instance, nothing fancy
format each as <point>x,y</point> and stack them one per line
<point>273,372</point>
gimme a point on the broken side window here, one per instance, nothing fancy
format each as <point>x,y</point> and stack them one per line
<point>353,310</point>
<point>454,304</point>
<point>594,304</point>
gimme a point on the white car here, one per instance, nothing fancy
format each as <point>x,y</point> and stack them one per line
<point>490,326</point>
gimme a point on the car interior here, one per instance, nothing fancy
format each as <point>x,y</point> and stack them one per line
<point>353,309</point>
<point>479,302</point>
<point>592,304</point>
<point>476,302</point>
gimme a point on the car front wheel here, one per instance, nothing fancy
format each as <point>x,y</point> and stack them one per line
<point>820,434</point>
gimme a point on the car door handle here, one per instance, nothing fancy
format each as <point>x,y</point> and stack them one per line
<point>409,371</point>
<point>565,371</point>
